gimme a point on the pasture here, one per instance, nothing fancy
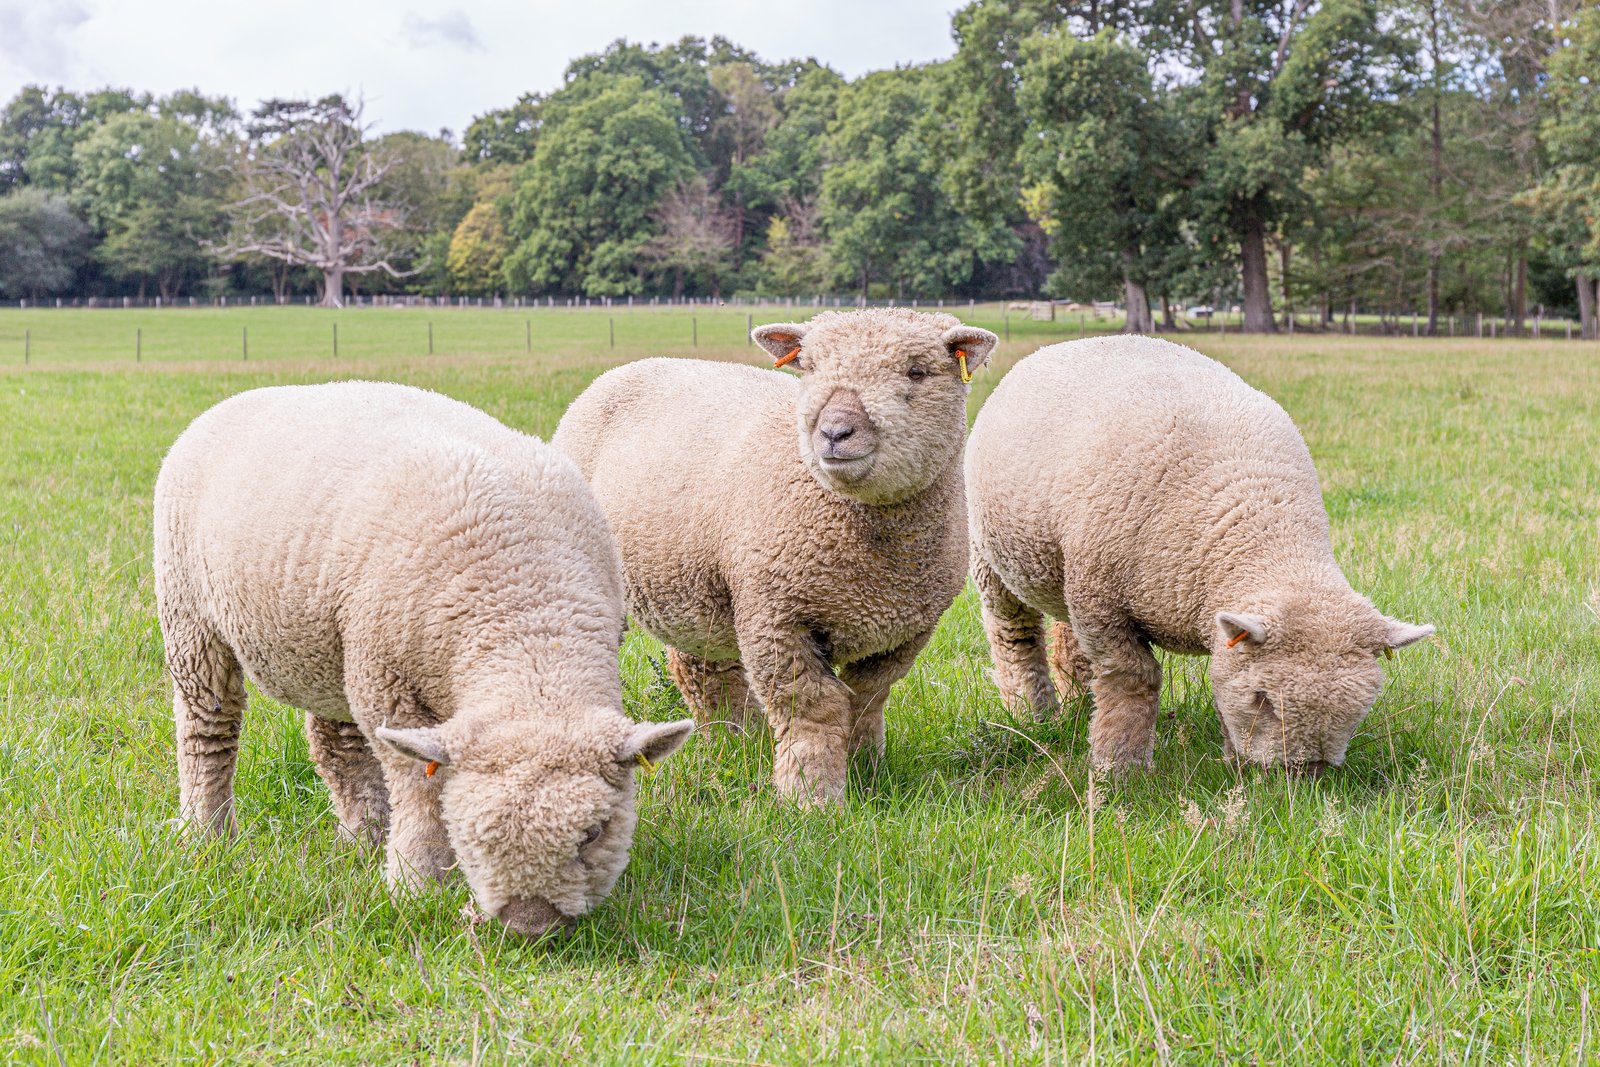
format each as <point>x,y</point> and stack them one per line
<point>981,898</point>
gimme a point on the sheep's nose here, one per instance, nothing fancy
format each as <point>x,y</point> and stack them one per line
<point>835,430</point>
<point>532,917</point>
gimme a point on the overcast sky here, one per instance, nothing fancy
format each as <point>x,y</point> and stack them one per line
<point>423,65</point>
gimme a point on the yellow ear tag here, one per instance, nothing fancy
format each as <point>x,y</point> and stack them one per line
<point>1388,653</point>
<point>639,758</point>
<point>961,358</point>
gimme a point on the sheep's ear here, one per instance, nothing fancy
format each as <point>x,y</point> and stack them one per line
<point>1400,634</point>
<point>781,340</point>
<point>425,744</point>
<point>976,343</point>
<point>649,743</point>
<point>1237,626</point>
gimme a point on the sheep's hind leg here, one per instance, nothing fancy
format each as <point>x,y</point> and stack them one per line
<point>354,778</point>
<point>715,690</point>
<point>1126,683</point>
<point>1016,643</point>
<point>208,705</point>
<point>1072,667</point>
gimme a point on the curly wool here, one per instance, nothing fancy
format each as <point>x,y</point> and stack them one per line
<point>1145,494</point>
<point>743,546</point>
<point>434,589</point>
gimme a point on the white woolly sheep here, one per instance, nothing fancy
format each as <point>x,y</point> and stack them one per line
<point>810,529</point>
<point>441,594</point>
<point>1145,495</point>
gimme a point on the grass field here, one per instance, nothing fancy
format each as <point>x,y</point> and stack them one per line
<point>978,899</point>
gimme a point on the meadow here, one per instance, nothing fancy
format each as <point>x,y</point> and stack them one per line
<point>980,898</point>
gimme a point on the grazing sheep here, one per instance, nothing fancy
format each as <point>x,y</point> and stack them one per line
<point>442,596</point>
<point>810,529</point>
<point>1144,494</point>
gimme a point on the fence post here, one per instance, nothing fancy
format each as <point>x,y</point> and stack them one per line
<point>694,328</point>
<point>1008,323</point>
<point>749,328</point>
<point>430,337</point>
<point>527,336</point>
<point>613,324</point>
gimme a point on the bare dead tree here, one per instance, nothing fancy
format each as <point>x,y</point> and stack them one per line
<point>308,194</point>
<point>694,235</point>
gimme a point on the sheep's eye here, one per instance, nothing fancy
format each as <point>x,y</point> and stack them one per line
<point>916,374</point>
<point>593,834</point>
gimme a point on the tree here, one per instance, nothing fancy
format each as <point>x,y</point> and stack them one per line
<point>1277,84</point>
<point>42,243</point>
<point>883,206</point>
<point>694,236</point>
<point>152,185</point>
<point>796,261</point>
<point>310,193</point>
<point>1105,164</point>
<point>584,206</point>
<point>479,245</point>
<point>749,112</point>
<point>1568,200</point>
<point>504,136</point>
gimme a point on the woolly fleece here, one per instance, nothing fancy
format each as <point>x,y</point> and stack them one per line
<point>432,587</point>
<point>1145,494</point>
<point>810,529</point>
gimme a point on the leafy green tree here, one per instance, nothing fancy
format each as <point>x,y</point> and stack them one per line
<point>883,206</point>
<point>1568,200</point>
<point>1107,165</point>
<point>584,206</point>
<point>506,135</point>
<point>1277,84</point>
<point>152,185</point>
<point>42,243</point>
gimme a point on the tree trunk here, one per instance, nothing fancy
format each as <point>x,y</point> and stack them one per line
<point>677,284</point>
<point>1257,292</point>
<point>1284,252</point>
<point>1138,320</point>
<point>1167,321</point>
<point>1519,288</point>
<point>1587,326</point>
<point>333,288</point>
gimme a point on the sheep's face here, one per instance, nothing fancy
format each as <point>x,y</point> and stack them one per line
<point>1294,678</point>
<point>882,411</point>
<point>540,822</point>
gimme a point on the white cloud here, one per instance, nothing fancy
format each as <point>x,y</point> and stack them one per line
<point>34,37</point>
<point>452,28</point>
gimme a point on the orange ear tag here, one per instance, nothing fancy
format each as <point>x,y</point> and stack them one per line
<point>428,771</point>
<point>1236,638</point>
<point>787,358</point>
<point>961,358</point>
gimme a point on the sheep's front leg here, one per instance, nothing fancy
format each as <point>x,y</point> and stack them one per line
<point>715,691</point>
<point>1016,643</point>
<point>1126,682</point>
<point>354,778</point>
<point>807,707</point>
<point>419,850</point>
<point>870,681</point>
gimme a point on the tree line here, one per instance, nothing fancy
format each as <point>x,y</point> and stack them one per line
<point>1297,157</point>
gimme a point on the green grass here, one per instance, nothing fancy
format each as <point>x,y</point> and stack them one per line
<point>978,899</point>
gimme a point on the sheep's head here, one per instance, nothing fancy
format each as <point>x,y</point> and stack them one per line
<point>1295,675</point>
<point>882,411</point>
<point>540,821</point>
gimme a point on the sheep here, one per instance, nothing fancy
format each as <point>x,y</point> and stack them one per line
<point>443,598</point>
<point>1142,494</point>
<point>793,541</point>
